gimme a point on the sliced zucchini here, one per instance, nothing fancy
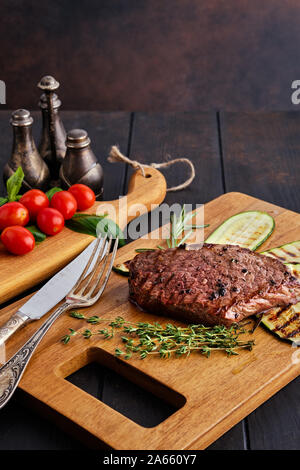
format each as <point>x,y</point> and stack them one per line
<point>295,268</point>
<point>121,269</point>
<point>246,229</point>
<point>284,322</point>
<point>289,253</point>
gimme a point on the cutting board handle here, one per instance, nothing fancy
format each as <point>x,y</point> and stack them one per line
<point>144,194</point>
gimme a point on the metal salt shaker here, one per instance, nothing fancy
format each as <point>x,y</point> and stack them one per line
<point>80,164</point>
<point>60,133</point>
<point>52,146</point>
<point>25,154</point>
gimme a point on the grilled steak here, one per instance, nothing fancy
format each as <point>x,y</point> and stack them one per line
<point>217,284</point>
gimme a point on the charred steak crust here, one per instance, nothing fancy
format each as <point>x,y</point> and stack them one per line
<point>217,284</point>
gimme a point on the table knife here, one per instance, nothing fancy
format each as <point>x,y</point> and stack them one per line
<point>49,295</point>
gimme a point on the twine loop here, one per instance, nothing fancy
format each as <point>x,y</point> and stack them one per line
<point>116,156</point>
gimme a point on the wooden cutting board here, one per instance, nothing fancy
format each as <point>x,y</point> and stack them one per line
<point>19,273</point>
<point>211,395</point>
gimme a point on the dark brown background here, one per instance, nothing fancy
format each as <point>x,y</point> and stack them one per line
<point>151,54</point>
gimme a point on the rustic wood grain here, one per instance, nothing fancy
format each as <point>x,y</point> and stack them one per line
<point>242,382</point>
<point>275,424</point>
<point>200,143</point>
<point>58,251</point>
<point>261,155</point>
<point>20,427</point>
<point>159,137</point>
<point>261,158</point>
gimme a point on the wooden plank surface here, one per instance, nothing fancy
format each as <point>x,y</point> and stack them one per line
<point>210,395</point>
<point>158,137</point>
<point>278,426</point>
<point>261,157</point>
<point>55,252</point>
<point>20,428</point>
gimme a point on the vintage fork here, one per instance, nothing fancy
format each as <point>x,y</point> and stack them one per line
<point>87,290</point>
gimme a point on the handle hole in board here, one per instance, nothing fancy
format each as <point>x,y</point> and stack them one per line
<point>127,390</point>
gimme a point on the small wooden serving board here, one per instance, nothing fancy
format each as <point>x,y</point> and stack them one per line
<point>211,395</point>
<point>19,273</point>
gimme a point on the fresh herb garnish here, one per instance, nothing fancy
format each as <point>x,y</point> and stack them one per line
<point>51,192</point>
<point>38,235</point>
<point>95,225</point>
<point>169,340</point>
<point>3,200</point>
<point>13,186</point>
<point>180,230</point>
<point>141,250</point>
<point>179,225</point>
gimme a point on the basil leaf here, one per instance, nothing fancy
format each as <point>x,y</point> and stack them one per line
<point>86,224</point>
<point>51,192</point>
<point>38,235</point>
<point>3,200</point>
<point>111,228</point>
<point>95,225</point>
<point>14,184</point>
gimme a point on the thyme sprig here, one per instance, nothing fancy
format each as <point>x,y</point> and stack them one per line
<point>168,340</point>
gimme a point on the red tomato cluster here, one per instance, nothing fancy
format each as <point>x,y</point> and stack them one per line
<point>34,207</point>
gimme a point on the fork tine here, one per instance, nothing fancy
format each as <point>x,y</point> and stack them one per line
<point>102,270</point>
<point>87,265</point>
<point>87,279</point>
<point>91,283</point>
<point>108,272</point>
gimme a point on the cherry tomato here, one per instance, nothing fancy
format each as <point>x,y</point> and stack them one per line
<point>84,196</point>
<point>34,200</point>
<point>17,240</point>
<point>65,203</point>
<point>13,213</point>
<point>50,221</point>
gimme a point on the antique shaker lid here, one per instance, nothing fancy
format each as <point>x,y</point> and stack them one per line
<point>77,138</point>
<point>21,117</point>
<point>43,103</point>
<point>48,83</point>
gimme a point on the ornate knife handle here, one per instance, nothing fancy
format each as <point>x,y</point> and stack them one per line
<point>12,371</point>
<point>15,322</point>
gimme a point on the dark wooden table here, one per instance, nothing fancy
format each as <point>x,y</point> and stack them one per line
<point>258,154</point>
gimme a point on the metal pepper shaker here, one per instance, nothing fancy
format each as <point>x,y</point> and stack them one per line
<point>80,164</point>
<point>44,147</point>
<point>25,154</point>
<point>52,146</point>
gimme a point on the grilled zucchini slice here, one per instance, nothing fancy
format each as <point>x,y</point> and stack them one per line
<point>285,322</point>
<point>295,268</point>
<point>246,229</point>
<point>289,253</point>
<point>121,269</point>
